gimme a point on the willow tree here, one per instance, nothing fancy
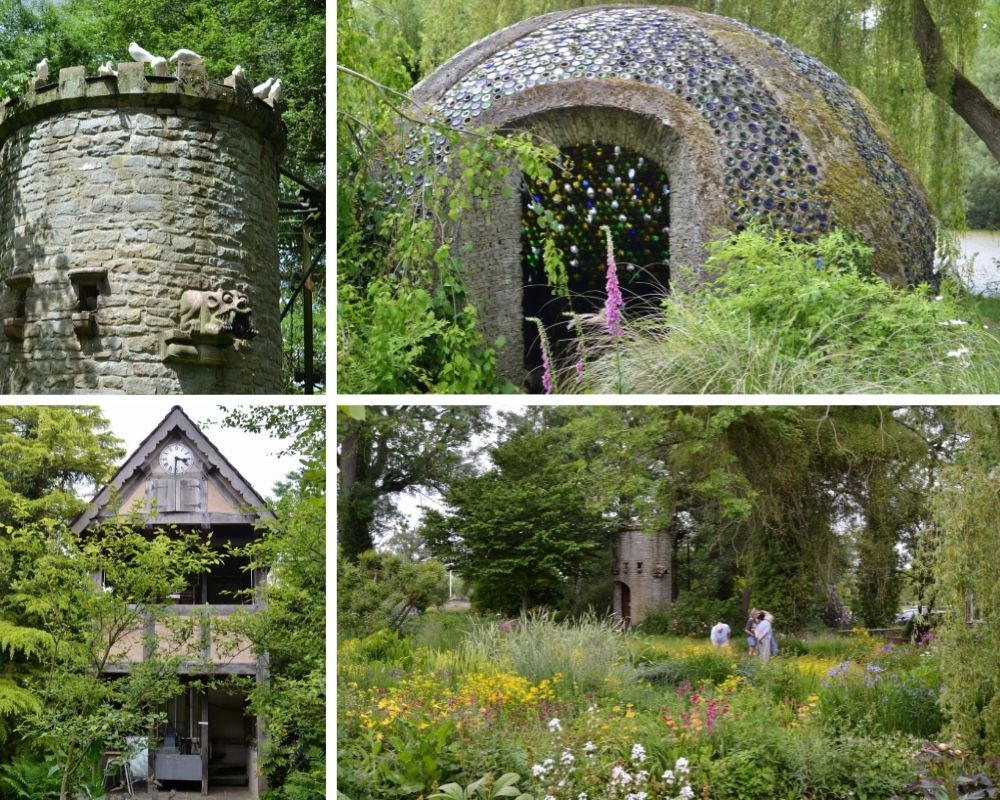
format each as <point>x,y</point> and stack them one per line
<point>968,575</point>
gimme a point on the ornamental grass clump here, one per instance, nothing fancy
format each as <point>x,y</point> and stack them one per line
<point>587,653</point>
<point>796,317</point>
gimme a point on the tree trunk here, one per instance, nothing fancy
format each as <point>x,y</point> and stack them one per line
<point>947,83</point>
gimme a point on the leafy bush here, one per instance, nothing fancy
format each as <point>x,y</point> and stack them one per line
<point>692,615</point>
<point>398,339</point>
<point>796,317</point>
<point>744,775</point>
<point>26,778</point>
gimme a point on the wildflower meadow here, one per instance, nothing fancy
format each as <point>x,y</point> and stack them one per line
<point>455,707</point>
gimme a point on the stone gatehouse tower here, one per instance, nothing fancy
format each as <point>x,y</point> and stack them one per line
<point>138,236</point>
<point>643,575</point>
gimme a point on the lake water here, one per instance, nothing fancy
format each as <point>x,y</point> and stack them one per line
<point>984,247</point>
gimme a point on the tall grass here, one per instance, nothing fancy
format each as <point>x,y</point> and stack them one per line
<point>587,653</point>
<point>797,317</point>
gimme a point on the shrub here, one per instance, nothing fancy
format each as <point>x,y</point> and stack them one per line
<point>744,775</point>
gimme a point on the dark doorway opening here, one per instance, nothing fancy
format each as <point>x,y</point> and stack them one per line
<point>624,596</point>
<point>599,185</point>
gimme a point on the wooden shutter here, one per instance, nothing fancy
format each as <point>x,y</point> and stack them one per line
<point>162,491</point>
<point>189,494</point>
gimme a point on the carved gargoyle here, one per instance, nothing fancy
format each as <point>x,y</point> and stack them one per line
<point>211,313</point>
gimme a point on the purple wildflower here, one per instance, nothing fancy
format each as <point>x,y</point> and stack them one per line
<point>614,303</point>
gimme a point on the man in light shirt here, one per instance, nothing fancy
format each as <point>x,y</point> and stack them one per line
<point>720,634</point>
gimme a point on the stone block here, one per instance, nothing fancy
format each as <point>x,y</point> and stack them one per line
<point>131,77</point>
<point>72,82</point>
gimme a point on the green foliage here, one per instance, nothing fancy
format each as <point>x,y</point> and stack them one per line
<point>47,453</point>
<point>798,317</point>
<point>486,788</point>
<point>393,450</point>
<point>522,531</point>
<point>379,591</point>
<point>289,622</point>
<point>26,778</point>
<point>74,711</point>
<point>744,775</point>
<point>967,505</point>
<point>982,172</point>
<point>395,341</point>
<point>692,614</point>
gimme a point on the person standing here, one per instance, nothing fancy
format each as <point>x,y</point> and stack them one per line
<point>720,634</point>
<point>774,636</point>
<point>751,637</point>
<point>762,632</point>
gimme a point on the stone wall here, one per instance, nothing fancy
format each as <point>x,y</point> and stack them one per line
<point>643,564</point>
<point>117,195</point>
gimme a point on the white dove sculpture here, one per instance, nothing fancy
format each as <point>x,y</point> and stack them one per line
<point>42,71</point>
<point>238,72</point>
<point>107,70</point>
<point>275,94</point>
<point>184,56</point>
<point>261,90</point>
<point>139,54</point>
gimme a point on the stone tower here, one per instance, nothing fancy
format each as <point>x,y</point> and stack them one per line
<point>643,577</point>
<point>138,235</point>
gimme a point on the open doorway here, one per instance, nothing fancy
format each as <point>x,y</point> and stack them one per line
<point>601,185</point>
<point>623,603</point>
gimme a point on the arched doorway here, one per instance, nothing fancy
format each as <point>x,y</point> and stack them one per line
<point>601,187</point>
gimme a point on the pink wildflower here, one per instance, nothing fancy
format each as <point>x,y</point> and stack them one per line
<point>614,303</point>
<point>546,371</point>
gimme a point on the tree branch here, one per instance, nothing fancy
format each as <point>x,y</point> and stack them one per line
<point>946,82</point>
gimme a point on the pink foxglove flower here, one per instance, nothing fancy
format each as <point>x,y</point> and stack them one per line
<point>614,303</point>
<point>548,387</point>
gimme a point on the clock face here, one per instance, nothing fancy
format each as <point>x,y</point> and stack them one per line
<point>176,458</point>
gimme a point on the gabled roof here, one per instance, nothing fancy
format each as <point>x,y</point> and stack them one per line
<point>134,469</point>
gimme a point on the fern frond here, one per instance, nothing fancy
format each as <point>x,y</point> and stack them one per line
<point>29,642</point>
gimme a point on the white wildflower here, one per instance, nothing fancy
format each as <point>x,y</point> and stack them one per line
<point>668,777</point>
<point>681,765</point>
<point>582,796</point>
<point>619,777</point>
<point>550,797</point>
<point>555,725</point>
<point>590,748</point>
<point>635,796</point>
<point>962,351</point>
<point>592,709</point>
<point>686,793</point>
<point>538,771</point>
<point>638,753</point>
<point>566,758</point>
<point>953,323</point>
<point>641,776</point>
